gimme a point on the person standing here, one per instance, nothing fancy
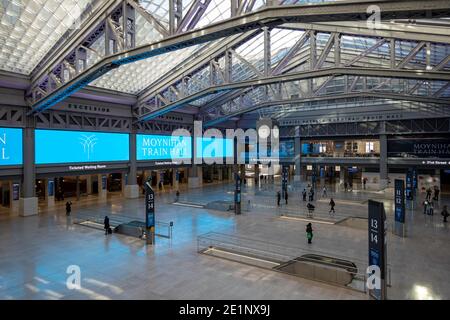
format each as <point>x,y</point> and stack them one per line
<point>364,183</point>
<point>177,196</point>
<point>286,196</point>
<point>68,208</point>
<point>309,232</point>
<point>445,213</point>
<point>106,225</point>
<point>345,186</point>
<point>332,204</point>
<point>304,194</point>
<point>312,194</point>
<point>278,198</point>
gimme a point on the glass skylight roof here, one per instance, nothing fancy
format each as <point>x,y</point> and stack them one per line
<point>29,29</point>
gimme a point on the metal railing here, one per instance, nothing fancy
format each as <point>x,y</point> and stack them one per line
<point>162,229</point>
<point>275,256</point>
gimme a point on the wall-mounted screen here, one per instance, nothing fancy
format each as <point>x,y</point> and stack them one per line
<point>58,146</point>
<point>287,149</point>
<point>211,147</point>
<point>159,147</point>
<point>10,146</point>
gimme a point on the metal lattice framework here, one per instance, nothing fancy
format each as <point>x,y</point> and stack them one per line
<point>111,39</point>
<point>312,65</point>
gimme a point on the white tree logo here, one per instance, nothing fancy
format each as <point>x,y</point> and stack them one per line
<point>88,143</point>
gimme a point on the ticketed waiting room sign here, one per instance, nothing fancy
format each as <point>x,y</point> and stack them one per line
<point>58,146</point>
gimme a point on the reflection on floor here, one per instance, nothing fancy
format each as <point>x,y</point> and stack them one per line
<point>35,252</point>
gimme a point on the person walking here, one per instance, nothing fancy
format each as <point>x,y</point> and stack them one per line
<point>428,194</point>
<point>68,208</point>
<point>312,194</point>
<point>177,196</point>
<point>345,186</point>
<point>310,208</point>
<point>324,192</point>
<point>445,213</point>
<point>364,183</point>
<point>106,225</point>
<point>286,196</point>
<point>304,194</point>
<point>278,198</point>
<point>332,204</point>
<point>309,232</point>
<point>436,193</point>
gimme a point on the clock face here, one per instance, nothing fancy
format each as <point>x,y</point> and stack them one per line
<point>264,131</point>
<point>275,132</point>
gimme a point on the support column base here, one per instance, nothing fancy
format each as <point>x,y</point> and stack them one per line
<point>131,191</point>
<point>194,182</point>
<point>28,206</point>
<point>383,184</point>
<point>51,201</point>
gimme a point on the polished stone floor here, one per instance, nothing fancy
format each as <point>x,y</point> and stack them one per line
<point>35,252</point>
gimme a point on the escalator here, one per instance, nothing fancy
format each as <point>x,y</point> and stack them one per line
<point>321,268</point>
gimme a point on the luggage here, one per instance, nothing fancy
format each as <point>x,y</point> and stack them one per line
<point>109,231</point>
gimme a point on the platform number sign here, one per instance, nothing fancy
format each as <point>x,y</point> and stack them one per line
<point>377,245</point>
<point>400,201</point>
<point>237,195</point>
<point>409,185</point>
<point>149,206</point>
<point>285,179</point>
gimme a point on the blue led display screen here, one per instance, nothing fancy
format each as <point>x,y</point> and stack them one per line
<point>287,149</point>
<point>57,146</point>
<point>159,147</point>
<point>211,147</point>
<point>10,146</point>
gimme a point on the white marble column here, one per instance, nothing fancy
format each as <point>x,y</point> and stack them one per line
<point>102,193</point>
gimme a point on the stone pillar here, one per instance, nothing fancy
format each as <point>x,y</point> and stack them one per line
<point>158,178</point>
<point>131,190</point>
<point>256,169</point>
<point>78,187</point>
<point>28,203</point>
<point>298,155</point>
<point>195,178</point>
<point>383,161</point>
<point>341,175</point>
<point>50,194</point>
<point>175,178</point>
<point>89,184</point>
<point>12,200</point>
<point>220,173</point>
<point>102,190</point>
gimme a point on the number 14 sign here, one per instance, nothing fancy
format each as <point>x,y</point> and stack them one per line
<point>377,245</point>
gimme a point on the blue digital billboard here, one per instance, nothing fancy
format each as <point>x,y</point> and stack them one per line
<point>287,149</point>
<point>211,147</point>
<point>10,146</point>
<point>58,146</point>
<point>160,147</point>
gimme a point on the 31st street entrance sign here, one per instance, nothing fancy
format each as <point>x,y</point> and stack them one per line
<point>149,212</point>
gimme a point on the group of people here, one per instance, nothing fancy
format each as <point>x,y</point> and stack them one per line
<point>348,186</point>
<point>308,196</point>
<point>429,193</point>
<point>286,196</point>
